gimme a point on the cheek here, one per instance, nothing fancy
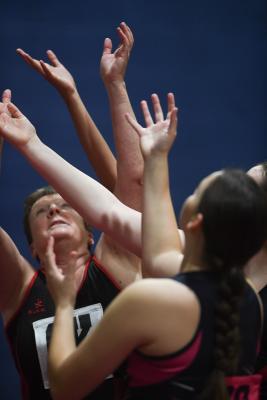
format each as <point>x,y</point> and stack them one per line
<point>38,227</point>
<point>187,211</point>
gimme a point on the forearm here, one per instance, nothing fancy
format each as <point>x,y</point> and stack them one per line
<point>1,151</point>
<point>129,158</point>
<point>94,145</point>
<point>159,227</point>
<point>93,201</point>
<point>62,345</point>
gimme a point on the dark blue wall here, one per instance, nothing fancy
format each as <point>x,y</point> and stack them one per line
<point>212,54</point>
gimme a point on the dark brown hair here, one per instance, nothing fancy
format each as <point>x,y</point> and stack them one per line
<point>235,228</point>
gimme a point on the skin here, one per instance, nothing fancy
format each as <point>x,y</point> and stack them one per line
<point>124,177</point>
<point>71,235</point>
<point>52,216</point>
<point>93,143</point>
<point>113,340</point>
<point>256,267</point>
<point>6,98</point>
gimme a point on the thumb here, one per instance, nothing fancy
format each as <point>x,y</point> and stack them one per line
<point>6,96</point>
<point>107,46</point>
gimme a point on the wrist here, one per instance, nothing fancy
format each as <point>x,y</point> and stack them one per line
<point>156,157</point>
<point>65,305</point>
<point>70,96</point>
<point>118,83</point>
<point>68,92</point>
<point>30,145</point>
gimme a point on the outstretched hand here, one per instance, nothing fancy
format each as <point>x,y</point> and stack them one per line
<point>15,127</point>
<point>6,99</point>
<point>55,72</point>
<point>158,136</point>
<point>113,65</point>
<point>61,284</point>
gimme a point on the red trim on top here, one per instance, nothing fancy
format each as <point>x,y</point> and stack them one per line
<point>143,371</point>
<point>85,273</point>
<point>108,275</point>
<point>24,298</point>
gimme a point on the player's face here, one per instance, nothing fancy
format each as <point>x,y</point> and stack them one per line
<point>52,215</point>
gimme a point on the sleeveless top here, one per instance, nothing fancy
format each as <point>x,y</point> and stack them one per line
<point>262,358</point>
<point>29,331</point>
<point>182,375</point>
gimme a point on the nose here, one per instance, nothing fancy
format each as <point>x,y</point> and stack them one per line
<point>53,209</point>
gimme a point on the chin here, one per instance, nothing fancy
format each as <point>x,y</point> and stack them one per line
<point>61,232</point>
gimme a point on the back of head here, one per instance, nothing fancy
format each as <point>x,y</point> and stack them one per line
<point>234,227</point>
<point>234,218</point>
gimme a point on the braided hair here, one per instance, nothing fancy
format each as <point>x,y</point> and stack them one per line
<point>235,227</point>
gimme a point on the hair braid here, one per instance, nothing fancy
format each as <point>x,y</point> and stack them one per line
<point>227,334</point>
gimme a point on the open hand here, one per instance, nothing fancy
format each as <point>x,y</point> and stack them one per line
<point>61,283</point>
<point>6,99</point>
<point>158,136</point>
<point>113,65</point>
<point>15,127</point>
<point>55,72</point>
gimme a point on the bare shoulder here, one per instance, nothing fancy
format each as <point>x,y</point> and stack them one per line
<point>156,308</point>
<point>16,273</point>
<point>160,292</point>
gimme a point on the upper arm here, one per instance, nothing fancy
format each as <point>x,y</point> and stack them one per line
<point>97,205</point>
<point>102,351</point>
<point>163,265</point>
<point>15,271</point>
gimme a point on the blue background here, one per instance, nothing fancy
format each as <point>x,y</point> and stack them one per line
<point>211,54</point>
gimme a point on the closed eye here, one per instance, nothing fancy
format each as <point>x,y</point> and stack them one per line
<point>40,211</point>
<point>66,205</point>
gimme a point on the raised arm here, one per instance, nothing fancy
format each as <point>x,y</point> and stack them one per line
<point>161,245</point>
<point>15,271</point>
<point>113,67</point>
<point>74,372</point>
<point>6,98</point>
<point>92,200</point>
<point>95,146</point>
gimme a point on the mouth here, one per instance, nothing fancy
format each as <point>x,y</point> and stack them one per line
<point>57,223</point>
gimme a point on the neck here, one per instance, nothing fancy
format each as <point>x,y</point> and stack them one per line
<point>62,251</point>
<point>192,262</point>
<point>193,255</point>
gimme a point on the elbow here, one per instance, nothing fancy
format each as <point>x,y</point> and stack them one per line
<point>162,266</point>
<point>152,269</point>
